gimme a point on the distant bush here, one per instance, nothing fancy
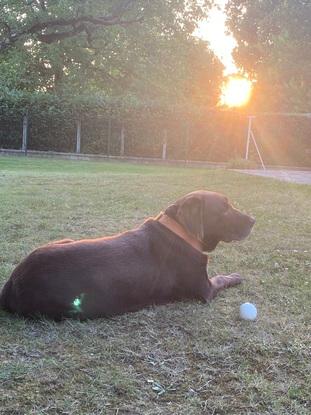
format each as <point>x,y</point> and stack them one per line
<point>190,132</point>
<point>239,163</point>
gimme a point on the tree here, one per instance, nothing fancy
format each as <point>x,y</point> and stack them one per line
<point>274,43</point>
<point>123,47</point>
<point>52,21</point>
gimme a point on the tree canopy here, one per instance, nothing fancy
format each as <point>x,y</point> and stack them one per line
<point>115,47</point>
<point>274,43</point>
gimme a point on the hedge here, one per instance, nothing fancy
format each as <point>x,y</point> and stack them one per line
<point>192,133</point>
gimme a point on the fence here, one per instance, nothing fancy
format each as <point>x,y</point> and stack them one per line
<point>212,137</point>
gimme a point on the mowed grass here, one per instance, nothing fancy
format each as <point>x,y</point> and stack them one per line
<point>183,358</point>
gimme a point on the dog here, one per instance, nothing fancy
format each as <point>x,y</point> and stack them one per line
<point>162,261</point>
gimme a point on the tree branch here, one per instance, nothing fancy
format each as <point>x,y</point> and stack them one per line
<point>78,28</point>
<point>54,30</point>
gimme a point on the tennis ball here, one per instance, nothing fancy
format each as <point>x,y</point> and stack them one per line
<point>248,311</point>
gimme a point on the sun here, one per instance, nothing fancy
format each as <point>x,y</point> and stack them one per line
<point>236,91</point>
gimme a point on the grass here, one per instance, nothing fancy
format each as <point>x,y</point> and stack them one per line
<point>183,358</point>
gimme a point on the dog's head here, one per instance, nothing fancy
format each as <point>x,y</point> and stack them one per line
<point>211,218</point>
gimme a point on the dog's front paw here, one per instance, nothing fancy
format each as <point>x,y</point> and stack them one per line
<point>225,281</point>
<point>233,279</point>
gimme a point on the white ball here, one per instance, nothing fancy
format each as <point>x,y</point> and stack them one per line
<point>248,311</point>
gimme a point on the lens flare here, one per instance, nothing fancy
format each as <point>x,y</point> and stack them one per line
<point>236,92</point>
<point>77,304</point>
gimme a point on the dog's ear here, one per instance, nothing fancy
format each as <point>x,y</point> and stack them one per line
<point>171,211</point>
<point>190,215</point>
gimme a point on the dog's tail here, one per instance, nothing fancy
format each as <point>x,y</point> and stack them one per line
<point>6,296</point>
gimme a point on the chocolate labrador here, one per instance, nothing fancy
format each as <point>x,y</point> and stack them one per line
<point>161,261</point>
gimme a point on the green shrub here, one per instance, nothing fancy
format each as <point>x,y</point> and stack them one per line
<point>239,163</point>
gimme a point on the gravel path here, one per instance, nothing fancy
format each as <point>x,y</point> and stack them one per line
<point>294,176</point>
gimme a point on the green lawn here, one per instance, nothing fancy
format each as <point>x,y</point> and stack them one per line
<point>185,358</point>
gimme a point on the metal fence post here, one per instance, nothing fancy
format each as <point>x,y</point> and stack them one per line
<point>249,130</point>
<point>109,137</point>
<point>25,134</point>
<point>187,139</point>
<point>78,144</point>
<point>122,137</point>
<point>164,145</point>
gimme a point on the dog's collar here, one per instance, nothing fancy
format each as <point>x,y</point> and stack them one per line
<point>179,230</point>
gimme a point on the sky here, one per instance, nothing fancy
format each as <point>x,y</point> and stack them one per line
<point>214,31</point>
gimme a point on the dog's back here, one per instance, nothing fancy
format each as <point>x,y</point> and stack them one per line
<point>105,276</point>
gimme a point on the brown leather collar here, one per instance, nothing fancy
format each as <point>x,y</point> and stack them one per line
<point>175,227</point>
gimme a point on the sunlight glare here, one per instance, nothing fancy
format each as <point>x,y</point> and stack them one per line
<point>236,92</point>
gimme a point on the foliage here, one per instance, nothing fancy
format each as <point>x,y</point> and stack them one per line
<point>191,133</point>
<point>239,163</point>
<point>274,43</point>
<point>127,62</point>
<point>139,48</point>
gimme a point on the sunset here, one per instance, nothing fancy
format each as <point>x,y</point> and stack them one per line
<point>215,32</point>
<point>236,89</point>
<point>155,207</point>
<point>235,92</point>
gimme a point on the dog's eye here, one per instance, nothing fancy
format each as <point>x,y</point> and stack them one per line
<point>227,206</point>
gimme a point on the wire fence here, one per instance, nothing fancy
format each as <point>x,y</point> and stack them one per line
<point>211,137</point>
